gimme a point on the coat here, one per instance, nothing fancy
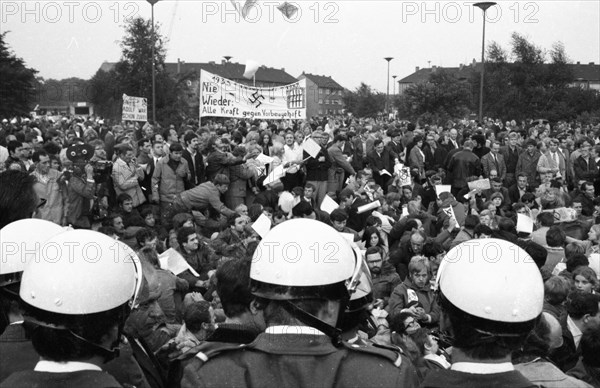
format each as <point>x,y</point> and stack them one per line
<point>488,164</point>
<point>238,176</point>
<point>126,179</point>
<point>527,164</point>
<point>166,183</point>
<point>16,351</point>
<point>218,162</point>
<point>511,157</point>
<point>407,292</point>
<point>416,160</point>
<point>55,192</point>
<point>463,164</point>
<point>80,193</point>
<point>315,170</point>
<point>548,163</point>
<point>545,374</point>
<point>301,360</point>
<point>585,170</point>
<point>196,166</point>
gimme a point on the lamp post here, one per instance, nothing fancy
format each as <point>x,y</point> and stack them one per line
<point>484,7</point>
<point>394,84</point>
<point>152,2</point>
<point>387,97</point>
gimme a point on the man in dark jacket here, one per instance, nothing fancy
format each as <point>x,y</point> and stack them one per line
<point>194,159</point>
<point>381,161</point>
<point>317,168</point>
<point>463,164</point>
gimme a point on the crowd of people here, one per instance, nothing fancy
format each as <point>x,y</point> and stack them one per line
<point>406,199</point>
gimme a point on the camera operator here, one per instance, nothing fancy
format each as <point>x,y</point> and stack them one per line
<point>82,186</point>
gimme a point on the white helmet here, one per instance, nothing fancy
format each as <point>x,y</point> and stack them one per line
<point>19,241</point>
<point>492,279</point>
<point>302,258</point>
<point>81,272</point>
<point>362,295</point>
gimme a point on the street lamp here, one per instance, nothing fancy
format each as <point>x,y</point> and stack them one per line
<point>394,77</point>
<point>227,58</point>
<point>387,98</point>
<point>484,7</point>
<point>152,2</point>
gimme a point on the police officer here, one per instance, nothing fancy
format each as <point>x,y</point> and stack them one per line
<point>77,294</point>
<point>491,294</point>
<point>18,243</point>
<point>298,276</point>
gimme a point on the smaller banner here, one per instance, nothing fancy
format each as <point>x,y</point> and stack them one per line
<point>134,108</point>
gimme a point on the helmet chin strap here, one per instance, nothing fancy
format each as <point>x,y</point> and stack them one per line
<point>312,321</point>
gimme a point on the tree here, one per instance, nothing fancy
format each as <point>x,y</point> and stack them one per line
<point>364,101</point>
<point>17,83</point>
<point>132,75</point>
<point>442,98</point>
<point>525,85</point>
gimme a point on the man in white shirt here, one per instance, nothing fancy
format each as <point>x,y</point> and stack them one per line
<point>584,312</point>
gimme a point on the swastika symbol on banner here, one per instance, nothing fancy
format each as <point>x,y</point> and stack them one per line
<point>257,97</point>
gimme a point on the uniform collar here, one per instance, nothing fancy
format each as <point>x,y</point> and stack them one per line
<point>482,368</point>
<point>64,367</point>
<point>293,330</point>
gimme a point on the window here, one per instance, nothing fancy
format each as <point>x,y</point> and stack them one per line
<point>320,100</point>
<point>320,112</point>
<point>327,102</point>
<point>320,91</point>
<point>326,91</point>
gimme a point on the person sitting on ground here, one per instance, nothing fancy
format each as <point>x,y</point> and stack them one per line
<point>416,288</point>
<point>588,367</point>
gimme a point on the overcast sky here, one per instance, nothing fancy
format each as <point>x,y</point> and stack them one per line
<point>343,39</point>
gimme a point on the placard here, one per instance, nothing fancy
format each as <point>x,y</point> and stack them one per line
<point>480,184</point>
<point>134,108</point>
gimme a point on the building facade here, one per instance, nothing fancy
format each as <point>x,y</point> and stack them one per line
<point>324,96</point>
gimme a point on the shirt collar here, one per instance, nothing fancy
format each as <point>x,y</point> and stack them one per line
<point>284,329</point>
<point>64,367</point>
<point>482,368</point>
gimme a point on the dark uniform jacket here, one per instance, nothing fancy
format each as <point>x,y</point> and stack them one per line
<point>450,379</point>
<point>16,351</point>
<point>300,360</point>
<point>84,378</point>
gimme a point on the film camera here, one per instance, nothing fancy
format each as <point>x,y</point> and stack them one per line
<point>81,155</point>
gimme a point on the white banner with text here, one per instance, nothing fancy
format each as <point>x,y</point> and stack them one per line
<point>221,97</point>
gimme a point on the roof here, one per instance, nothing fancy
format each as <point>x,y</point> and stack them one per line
<point>588,72</point>
<point>229,70</point>
<point>322,81</point>
<point>422,75</point>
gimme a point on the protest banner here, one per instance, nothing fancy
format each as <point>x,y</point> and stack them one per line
<point>262,225</point>
<point>173,261</point>
<point>480,184</point>
<point>221,97</point>
<point>311,147</point>
<point>562,214</point>
<point>524,223</point>
<point>328,205</point>
<point>134,108</point>
<point>439,189</point>
<point>404,175</point>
